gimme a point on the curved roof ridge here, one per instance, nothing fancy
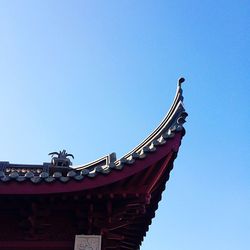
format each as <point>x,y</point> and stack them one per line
<point>169,122</point>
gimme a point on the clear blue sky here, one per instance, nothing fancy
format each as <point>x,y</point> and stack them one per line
<point>95,77</point>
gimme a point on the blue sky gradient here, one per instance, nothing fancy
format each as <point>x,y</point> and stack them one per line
<point>95,77</point>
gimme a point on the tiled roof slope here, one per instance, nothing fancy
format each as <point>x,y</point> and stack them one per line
<point>47,173</point>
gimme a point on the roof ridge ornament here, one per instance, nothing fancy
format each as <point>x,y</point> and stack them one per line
<point>180,81</point>
<point>179,88</point>
<point>61,159</point>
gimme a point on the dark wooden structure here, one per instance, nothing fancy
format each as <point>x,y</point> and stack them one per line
<point>45,206</point>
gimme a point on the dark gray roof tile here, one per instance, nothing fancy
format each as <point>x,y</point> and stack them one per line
<point>156,143</point>
<point>85,171</point>
<point>142,154</point>
<point>179,128</point>
<point>36,179</point>
<point>78,177</point>
<point>169,134</point>
<point>152,147</point>
<point>123,160</point>
<point>71,173</point>
<point>20,178</point>
<point>57,175</point>
<point>64,179</point>
<point>135,155</point>
<point>13,175</point>
<point>98,169</point>
<point>29,174</point>
<point>44,175</point>
<point>49,179</point>
<point>130,160</point>
<point>5,178</point>
<point>92,173</point>
<point>161,140</point>
<point>106,169</point>
<point>119,165</point>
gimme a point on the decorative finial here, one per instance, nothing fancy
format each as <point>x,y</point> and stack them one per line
<point>61,159</point>
<point>180,81</point>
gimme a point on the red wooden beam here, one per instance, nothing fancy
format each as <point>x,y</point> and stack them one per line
<point>159,173</point>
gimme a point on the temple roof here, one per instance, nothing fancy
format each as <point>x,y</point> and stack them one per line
<point>44,206</point>
<point>168,134</point>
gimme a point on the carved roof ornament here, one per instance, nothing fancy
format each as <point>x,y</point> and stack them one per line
<point>61,159</point>
<point>180,81</point>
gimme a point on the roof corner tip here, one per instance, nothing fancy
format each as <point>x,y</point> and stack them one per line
<point>179,88</point>
<point>180,81</point>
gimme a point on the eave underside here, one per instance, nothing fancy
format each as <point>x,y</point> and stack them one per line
<point>120,212</point>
